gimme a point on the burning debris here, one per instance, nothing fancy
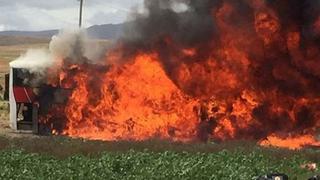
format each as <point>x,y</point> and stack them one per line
<point>193,70</point>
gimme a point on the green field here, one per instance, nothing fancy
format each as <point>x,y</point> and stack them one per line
<point>148,165</point>
<point>65,158</point>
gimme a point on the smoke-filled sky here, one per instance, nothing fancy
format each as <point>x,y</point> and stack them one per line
<point>57,14</point>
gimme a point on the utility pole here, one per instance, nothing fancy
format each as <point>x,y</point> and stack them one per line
<point>80,15</point>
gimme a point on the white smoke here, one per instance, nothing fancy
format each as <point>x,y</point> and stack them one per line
<point>179,7</point>
<point>35,60</point>
<point>69,45</point>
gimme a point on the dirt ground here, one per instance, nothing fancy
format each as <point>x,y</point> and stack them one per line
<point>4,106</point>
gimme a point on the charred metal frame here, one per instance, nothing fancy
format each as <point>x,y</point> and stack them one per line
<point>28,101</point>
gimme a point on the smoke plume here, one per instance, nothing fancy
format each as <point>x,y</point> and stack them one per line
<point>69,46</point>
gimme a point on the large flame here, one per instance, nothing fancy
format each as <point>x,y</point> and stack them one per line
<point>257,80</point>
<point>151,106</point>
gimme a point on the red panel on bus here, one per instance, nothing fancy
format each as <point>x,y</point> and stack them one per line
<point>23,94</point>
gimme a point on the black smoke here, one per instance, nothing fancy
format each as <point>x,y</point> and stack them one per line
<point>291,71</point>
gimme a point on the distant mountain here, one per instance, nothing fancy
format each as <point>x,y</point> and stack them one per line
<point>105,31</point>
<point>34,34</point>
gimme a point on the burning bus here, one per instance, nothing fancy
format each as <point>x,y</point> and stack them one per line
<point>22,100</point>
<point>29,98</point>
<point>216,70</point>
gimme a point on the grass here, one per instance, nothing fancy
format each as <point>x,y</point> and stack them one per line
<point>132,164</point>
<point>47,145</point>
<point>66,158</point>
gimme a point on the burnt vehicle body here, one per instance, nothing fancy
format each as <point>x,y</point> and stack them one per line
<point>30,98</point>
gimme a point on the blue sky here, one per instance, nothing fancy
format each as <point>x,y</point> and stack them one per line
<point>56,14</point>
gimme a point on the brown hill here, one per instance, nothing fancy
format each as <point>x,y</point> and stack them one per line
<point>20,40</point>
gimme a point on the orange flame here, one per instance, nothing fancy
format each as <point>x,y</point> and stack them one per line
<point>152,106</point>
<point>290,142</point>
<point>257,80</point>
